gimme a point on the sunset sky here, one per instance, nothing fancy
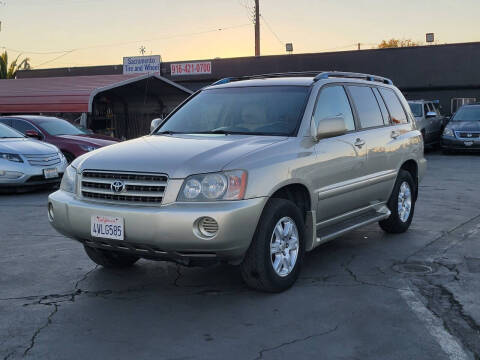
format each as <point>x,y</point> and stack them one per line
<point>98,32</point>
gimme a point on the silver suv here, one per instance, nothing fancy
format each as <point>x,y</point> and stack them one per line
<point>251,171</point>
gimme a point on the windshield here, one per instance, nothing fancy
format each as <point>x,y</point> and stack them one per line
<point>8,132</point>
<point>272,110</point>
<point>60,127</point>
<point>416,109</point>
<point>467,113</point>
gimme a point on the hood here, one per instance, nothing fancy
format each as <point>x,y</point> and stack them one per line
<point>87,140</point>
<point>464,125</point>
<point>177,156</point>
<point>99,136</point>
<point>26,146</point>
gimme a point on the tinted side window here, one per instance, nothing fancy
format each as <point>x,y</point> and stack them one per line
<point>6,122</point>
<point>397,114</point>
<point>22,126</point>
<point>425,109</point>
<point>367,106</point>
<point>332,102</point>
<point>383,108</point>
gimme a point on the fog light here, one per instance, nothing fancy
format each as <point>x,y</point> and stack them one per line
<point>51,214</point>
<point>10,174</point>
<point>207,226</point>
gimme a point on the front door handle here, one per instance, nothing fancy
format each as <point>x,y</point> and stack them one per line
<point>395,134</point>
<point>359,143</point>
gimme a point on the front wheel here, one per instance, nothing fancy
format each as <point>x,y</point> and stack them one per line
<point>273,261</point>
<point>401,204</point>
<point>110,259</point>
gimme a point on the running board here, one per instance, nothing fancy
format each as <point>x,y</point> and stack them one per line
<point>333,231</point>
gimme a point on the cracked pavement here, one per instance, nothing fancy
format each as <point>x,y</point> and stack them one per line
<point>56,304</point>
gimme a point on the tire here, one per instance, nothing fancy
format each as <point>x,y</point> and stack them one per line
<point>70,157</point>
<point>397,222</point>
<point>257,267</point>
<point>110,259</point>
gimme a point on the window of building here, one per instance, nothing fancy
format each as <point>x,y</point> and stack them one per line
<point>397,113</point>
<point>332,102</point>
<point>367,106</point>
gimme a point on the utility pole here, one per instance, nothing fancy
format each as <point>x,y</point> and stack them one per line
<point>359,46</point>
<point>257,28</point>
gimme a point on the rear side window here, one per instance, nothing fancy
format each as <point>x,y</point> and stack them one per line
<point>333,102</point>
<point>383,108</point>
<point>367,106</point>
<point>397,114</point>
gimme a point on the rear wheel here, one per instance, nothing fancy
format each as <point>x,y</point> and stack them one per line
<point>401,204</point>
<point>275,256</point>
<point>110,259</point>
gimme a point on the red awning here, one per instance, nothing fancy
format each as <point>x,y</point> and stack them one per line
<point>63,94</point>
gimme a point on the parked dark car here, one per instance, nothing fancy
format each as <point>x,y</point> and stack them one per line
<point>72,141</point>
<point>462,132</point>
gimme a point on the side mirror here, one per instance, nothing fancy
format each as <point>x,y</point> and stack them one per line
<point>329,127</point>
<point>154,124</point>
<point>430,114</point>
<point>33,134</point>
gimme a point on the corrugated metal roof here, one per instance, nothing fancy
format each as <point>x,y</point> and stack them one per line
<point>62,94</point>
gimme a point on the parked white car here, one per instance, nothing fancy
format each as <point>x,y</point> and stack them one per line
<point>25,162</point>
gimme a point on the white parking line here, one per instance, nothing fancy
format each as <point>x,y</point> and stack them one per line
<point>434,325</point>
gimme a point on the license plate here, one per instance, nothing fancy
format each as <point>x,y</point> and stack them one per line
<point>107,227</point>
<point>468,143</point>
<point>50,173</point>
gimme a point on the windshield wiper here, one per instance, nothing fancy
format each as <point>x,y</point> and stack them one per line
<point>167,132</point>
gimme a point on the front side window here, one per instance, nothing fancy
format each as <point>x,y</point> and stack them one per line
<point>22,126</point>
<point>367,106</point>
<point>397,114</point>
<point>266,110</point>
<point>467,113</point>
<point>333,102</point>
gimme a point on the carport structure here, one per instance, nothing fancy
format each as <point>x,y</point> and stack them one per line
<point>117,105</point>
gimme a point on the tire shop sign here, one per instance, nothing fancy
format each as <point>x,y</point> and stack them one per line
<point>142,64</point>
<point>191,68</point>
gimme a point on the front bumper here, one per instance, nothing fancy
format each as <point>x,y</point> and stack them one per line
<point>450,143</point>
<point>166,231</point>
<point>31,175</point>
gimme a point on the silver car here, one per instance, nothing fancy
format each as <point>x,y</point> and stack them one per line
<point>252,171</point>
<point>27,163</point>
<point>428,119</point>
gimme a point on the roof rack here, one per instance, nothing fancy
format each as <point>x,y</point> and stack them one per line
<point>352,75</point>
<point>317,75</point>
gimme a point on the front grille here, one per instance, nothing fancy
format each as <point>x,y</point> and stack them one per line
<point>43,160</point>
<point>468,135</point>
<point>138,188</point>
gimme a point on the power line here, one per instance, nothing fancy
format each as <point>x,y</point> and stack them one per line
<point>271,30</point>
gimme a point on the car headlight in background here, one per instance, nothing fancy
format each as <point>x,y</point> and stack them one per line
<point>69,179</point>
<point>448,132</point>
<point>11,157</point>
<point>87,147</point>
<point>228,185</point>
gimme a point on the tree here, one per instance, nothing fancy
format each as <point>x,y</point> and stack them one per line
<point>9,71</point>
<point>396,43</point>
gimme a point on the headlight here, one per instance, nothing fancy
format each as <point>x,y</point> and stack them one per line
<point>87,147</point>
<point>228,185</point>
<point>68,179</point>
<point>11,157</point>
<point>448,132</point>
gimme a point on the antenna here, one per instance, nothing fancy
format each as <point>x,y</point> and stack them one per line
<point>142,50</point>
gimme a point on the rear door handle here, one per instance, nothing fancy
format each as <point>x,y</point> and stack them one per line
<point>395,134</point>
<point>359,143</point>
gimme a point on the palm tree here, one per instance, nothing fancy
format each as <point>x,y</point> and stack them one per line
<point>9,71</point>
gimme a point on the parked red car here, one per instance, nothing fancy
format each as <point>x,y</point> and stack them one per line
<point>69,139</point>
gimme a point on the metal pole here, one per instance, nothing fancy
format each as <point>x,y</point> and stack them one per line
<point>257,28</point>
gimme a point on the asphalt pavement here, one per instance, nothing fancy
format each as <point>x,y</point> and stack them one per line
<point>366,295</point>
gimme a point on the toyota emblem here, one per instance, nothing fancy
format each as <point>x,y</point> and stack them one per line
<point>117,186</point>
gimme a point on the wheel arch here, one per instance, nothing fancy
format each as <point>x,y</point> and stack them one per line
<point>411,166</point>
